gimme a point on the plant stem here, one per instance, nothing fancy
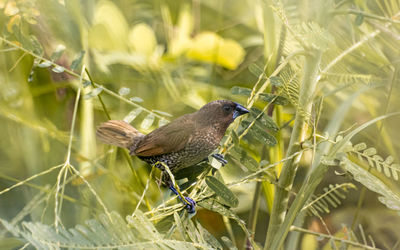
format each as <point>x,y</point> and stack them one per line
<point>300,128</point>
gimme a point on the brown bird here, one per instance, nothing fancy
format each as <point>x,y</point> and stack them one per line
<point>182,143</point>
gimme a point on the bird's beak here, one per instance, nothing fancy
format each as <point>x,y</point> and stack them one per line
<point>239,110</point>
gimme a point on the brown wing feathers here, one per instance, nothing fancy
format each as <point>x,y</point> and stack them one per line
<point>169,138</point>
<point>118,133</point>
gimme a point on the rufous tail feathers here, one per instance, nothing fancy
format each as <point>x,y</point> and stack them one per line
<point>118,133</point>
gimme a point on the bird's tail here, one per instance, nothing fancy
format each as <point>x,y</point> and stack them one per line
<point>118,133</point>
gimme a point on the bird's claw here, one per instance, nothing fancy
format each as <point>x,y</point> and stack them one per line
<point>220,158</point>
<point>190,205</point>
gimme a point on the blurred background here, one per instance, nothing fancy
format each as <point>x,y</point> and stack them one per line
<point>155,60</point>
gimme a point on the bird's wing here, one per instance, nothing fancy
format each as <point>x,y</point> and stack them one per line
<point>169,138</point>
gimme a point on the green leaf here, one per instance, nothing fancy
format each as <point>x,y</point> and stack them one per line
<point>276,81</point>
<point>162,122</point>
<point>11,243</point>
<point>236,90</point>
<point>222,191</point>
<point>245,159</point>
<point>214,205</point>
<point>260,134</point>
<point>132,115</point>
<point>93,93</point>
<point>44,64</point>
<point>124,91</point>
<point>228,243</point>
<point>77,61</point>
<point>190,172</point>
<point>162,113</point>
<point>264,120</point>
<point>58,53</point>
<point>37,47</point>
<point>388,197</point>
<point>148,121</point>
<point>86,83</point>
<point>235,138</point>
<point>278,100</point>
<point>58,69</point>
<point>209,238</point>
<point>359,19</point>
<point>136,99</point>
<point>359,147</point>
<point>256,70</point>
<point>370,151</point>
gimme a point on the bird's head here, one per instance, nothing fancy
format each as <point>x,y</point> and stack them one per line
<point>222,112</point>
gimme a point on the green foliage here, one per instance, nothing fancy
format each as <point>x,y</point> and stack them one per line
<point>317,76</point>
<point>105,232</point>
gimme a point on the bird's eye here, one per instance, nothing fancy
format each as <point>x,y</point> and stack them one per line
<point>227,108</point>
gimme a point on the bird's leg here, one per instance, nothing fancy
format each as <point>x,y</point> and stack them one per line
<point>220,158</point>
<point>188,202</point>
<point>169,180</point>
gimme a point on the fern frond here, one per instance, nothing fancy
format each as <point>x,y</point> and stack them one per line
<point>347,77</point>
<point>104,233</point>
<point>369,155</point>
<point>351,239</point>
<point>307,34</point>
<point>331,197</point>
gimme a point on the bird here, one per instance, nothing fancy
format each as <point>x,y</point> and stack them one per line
<point>181,143</point>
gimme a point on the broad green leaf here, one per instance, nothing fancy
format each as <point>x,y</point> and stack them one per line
<point>142,39</point>
<point>77,61</point>
<point>210,47</point>
<point>222,191</point>
<point>132,115</point>
<point>148,121</point>
<point>236,90</point>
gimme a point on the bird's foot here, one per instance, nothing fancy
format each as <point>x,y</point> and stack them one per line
<point>220,158</point>
<point>189,203</point>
